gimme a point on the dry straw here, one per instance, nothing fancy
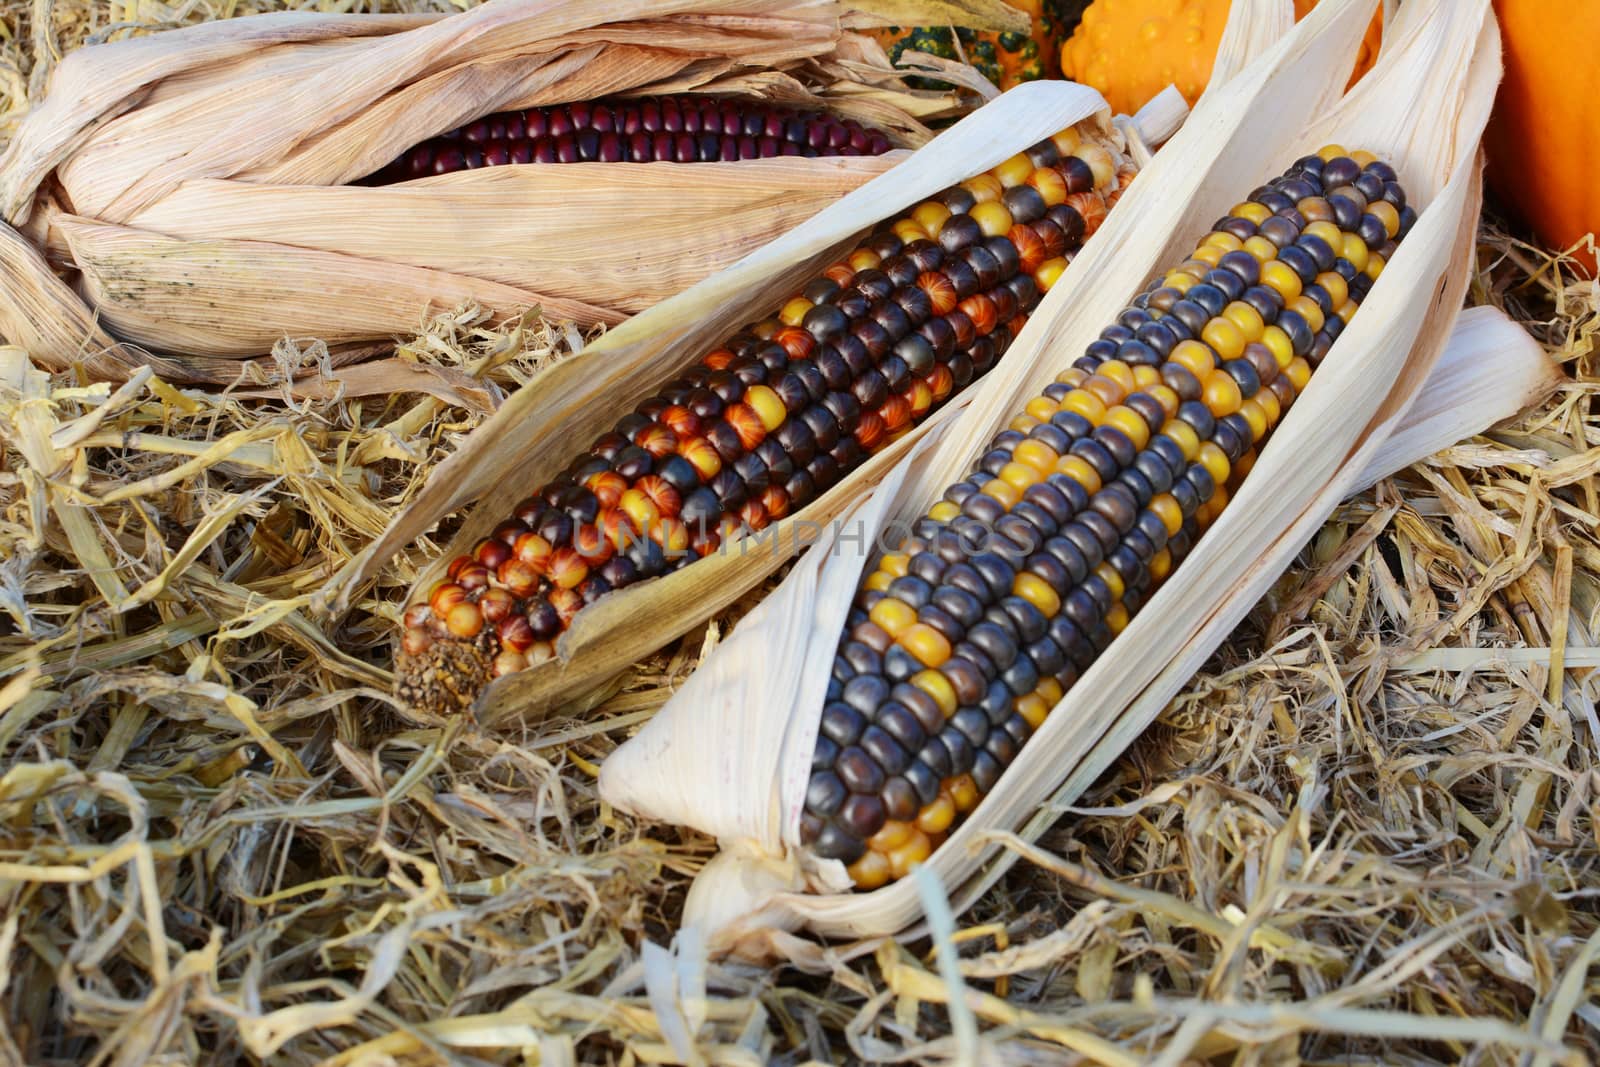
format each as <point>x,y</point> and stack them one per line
<point>195,182</point>
<point>1364,832</point>
<point>761,695</point>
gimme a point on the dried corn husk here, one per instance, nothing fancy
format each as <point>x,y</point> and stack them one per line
<point>730,753</point>
<point>195,181</point>
<point>535,434</point>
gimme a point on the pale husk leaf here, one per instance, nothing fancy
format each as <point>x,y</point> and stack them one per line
<point>1444,59</point>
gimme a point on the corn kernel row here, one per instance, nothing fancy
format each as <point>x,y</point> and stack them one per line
<point>770,420</point>
<point>962,641</point>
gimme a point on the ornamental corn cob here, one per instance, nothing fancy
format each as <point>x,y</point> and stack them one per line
<point>766,423</point>
<point>962,641</point>
<point>687,129</point>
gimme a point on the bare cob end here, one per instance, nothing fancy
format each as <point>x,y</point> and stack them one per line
<point>962,641</point>
<point>765,423</point>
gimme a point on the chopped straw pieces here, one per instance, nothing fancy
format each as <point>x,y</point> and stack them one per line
<point>1365,833</point>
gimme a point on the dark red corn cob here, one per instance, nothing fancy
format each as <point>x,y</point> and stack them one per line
<point>690,129</point>
<point>769,421</point>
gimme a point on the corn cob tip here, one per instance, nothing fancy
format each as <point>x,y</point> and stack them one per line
<point>443,678</point>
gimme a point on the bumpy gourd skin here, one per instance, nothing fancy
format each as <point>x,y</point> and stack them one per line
<point>1006,59</point>
<point>1130,50</point>
<point>963,640</point>
<point>768,421</point>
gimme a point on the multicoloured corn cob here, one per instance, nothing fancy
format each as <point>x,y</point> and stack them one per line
<point>962,641</point>
<point>683,129</point>
<point>770,420</point>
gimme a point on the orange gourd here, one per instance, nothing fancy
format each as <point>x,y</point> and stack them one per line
<point>1132,49</point>
<point>1546,119</point>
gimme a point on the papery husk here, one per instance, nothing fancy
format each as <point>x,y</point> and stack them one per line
<point>730,753</point>
<point>202,174</point>
<point>535,434</point>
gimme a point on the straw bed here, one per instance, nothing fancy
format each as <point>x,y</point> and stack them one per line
<point>1366,831</point>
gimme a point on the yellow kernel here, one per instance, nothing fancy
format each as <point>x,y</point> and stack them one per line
<point>1224,337</point>
<point>794,311</point>
<point>1329,232</point>
<point>1249,209</point>
<point>1193,357</point>
<point>936,685</point>
<point>1260,248</point>
<point>1184,436</point>
<point>908,230</point>
<point>1119,372</point>
<point>1113,580</point>
<point>1117,617</point>
<point>1109,390</point>
<point>1309,310</point>
<point>870,871</point>
<point>1256,416</point>
<point>909,856</point>
<point>1032,708</point>
<point>1079,470</point>
<point>1280,345</point>
<point>1041,408</point>
<point>944,511</point>
<point>1023,423</point>
<point>1166,397</point>
<point>1165,506</point>
<point>1131,423</point>
<point>1331,151</point>
<point>984,188</point>
<point>1246,318</point>
<point>1208,255</point>
<point>1374,267</point>
<point>1180,281</point>
<point>768,406</point>
<point>1160,564</point>
<point>931,215</point>
<point>864,259</point>
<point>1020,475</point>
<point>1038,592</point>
<point>1386,214</point>
<point>1145,376</point>
<point>1014,171</point>
<point>1277,276</point>
<point>890,837</point>
<point>1347,311</point>
<point>1215,461</point>
<point>1067,140</point>
<point>930,646</point>
<point>893,616</point>
<point>1049,690</point>
<point>937,817</point>
<point>1299,373</point>
<point>1049,272</point>
<point>1101,165</point>
<point>992,218</point>
<point>964,791</point>
<point>1355,250</point>
<point>1268,400</point>
<point>879,582</point>
<point>1003,491</point>
<point>1036,454</point>
<point>1334,284</point>
<point>895,564</point>
<point>1073,376</point>
<point>1085,403</point>
<point>1223,240</point>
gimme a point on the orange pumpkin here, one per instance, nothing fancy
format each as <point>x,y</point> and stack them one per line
<point>1545,120</point>
<point>1130,50</point>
